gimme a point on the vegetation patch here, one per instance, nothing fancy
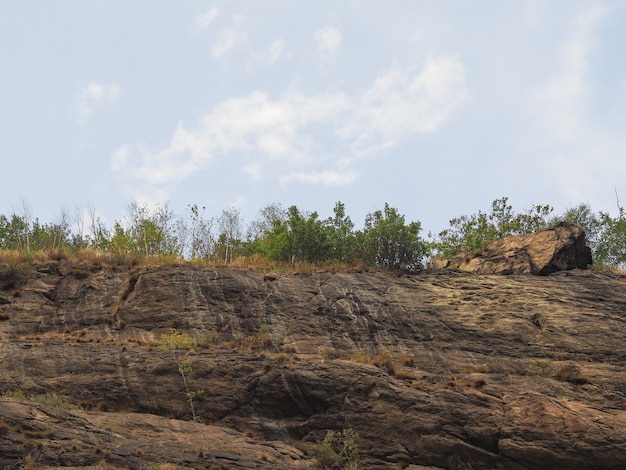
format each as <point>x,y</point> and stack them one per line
<point>338,450</point>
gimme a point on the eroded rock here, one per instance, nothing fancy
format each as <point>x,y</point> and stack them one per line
<point>450,370</point>
<point>559,248</point>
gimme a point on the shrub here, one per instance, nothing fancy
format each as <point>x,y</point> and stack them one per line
<point>338,450</point>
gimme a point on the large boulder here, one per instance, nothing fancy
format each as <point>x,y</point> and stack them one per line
<point>558,248</point>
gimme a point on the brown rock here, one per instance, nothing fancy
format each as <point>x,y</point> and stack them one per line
<point>65,437</point>
<point>449,370</point>
<point>558,248</point>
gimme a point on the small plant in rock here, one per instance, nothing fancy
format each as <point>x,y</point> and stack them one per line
<point>338,450</point>
<point>186,371</point>
<point>177,342</point>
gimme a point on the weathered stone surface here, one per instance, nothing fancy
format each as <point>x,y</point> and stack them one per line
<point>65,437</point>
<point>447,370</point>
<point>558,248</point>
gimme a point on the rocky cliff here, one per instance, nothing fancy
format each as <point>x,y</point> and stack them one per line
<point>448,370</point>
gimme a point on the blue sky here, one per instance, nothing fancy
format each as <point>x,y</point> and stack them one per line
<point>436,107</point>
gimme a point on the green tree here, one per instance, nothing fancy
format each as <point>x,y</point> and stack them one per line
<point>299,237</point>
<point>611,243</point>
<point>262,228</point>
<point>470,233</point>
<point>14,232</point>
<point>583,215</point>
<point>147,232</point>
<point>341,237</point>
<point>391,243</point>
<point>308,239</point>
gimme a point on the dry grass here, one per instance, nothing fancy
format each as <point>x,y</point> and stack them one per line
<point>570,373</point>
<point>383,360</point>
<point>116,259</point>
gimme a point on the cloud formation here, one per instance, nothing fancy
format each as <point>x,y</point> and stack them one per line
<point>94,96</point>
<point>205,19</point>
<point>312,139</point>
<point>566,95</point>
<point>229,38</point>
<point>328,40</point>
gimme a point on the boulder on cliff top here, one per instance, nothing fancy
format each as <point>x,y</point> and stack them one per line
<point>558,248</point>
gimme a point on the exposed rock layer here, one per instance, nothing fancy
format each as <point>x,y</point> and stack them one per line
<point>447,370</point>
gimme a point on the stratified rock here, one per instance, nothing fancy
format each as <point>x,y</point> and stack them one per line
<point>68,437</point>
<point>559,248</point>
<point>447,370</point>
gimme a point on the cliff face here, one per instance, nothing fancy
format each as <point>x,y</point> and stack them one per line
<point>448,370</point>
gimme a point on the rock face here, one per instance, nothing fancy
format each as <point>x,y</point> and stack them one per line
<point>447,370</point>
<point>558,248</point>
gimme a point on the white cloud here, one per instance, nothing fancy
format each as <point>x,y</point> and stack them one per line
<point>94,96</point>
<point>326,178</point>
<point>402,103</point>
<point>328,40</point>
<point>302,138</point>
<point>119,160</point>
<point>205,19</point>
<point>228,39</point>
<point>254,170</point>
<point>275,51</point>
<point>562,101</point>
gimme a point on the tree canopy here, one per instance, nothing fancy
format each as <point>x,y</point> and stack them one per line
<point>294,235</point>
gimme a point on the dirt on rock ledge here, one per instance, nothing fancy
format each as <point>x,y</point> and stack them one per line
<point>448,370</point>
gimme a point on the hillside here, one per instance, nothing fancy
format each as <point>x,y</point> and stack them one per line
<point>445,370</point>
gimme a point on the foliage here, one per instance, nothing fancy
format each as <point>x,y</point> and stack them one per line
<point>583,215</point>
<point>177,342</point>
<point>338,450</point>
<point>471,233</point>
<point>45,398</point>
<point>149,232</point>
<point>606,235</point>
<point>392,244</point>
<point>285,238</point>
<point>611,243</point>
<point>299,237</point>
<point>342,241</point>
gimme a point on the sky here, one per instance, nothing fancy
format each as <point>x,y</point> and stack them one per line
<point>435,107</point>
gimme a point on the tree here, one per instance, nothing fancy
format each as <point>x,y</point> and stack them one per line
<point>14,232</point>
<point>341,235</point>
<point>200,233</point>
<point>296,237</point>
<point>307,238</point>
<point>230,226</point>
<point>471,233</point>
<point>583,215</point>
<point>148,232</point>
<point>611,241</point>
<point>269,216</point>
<point>99,237</point>
<point>391,243</point>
